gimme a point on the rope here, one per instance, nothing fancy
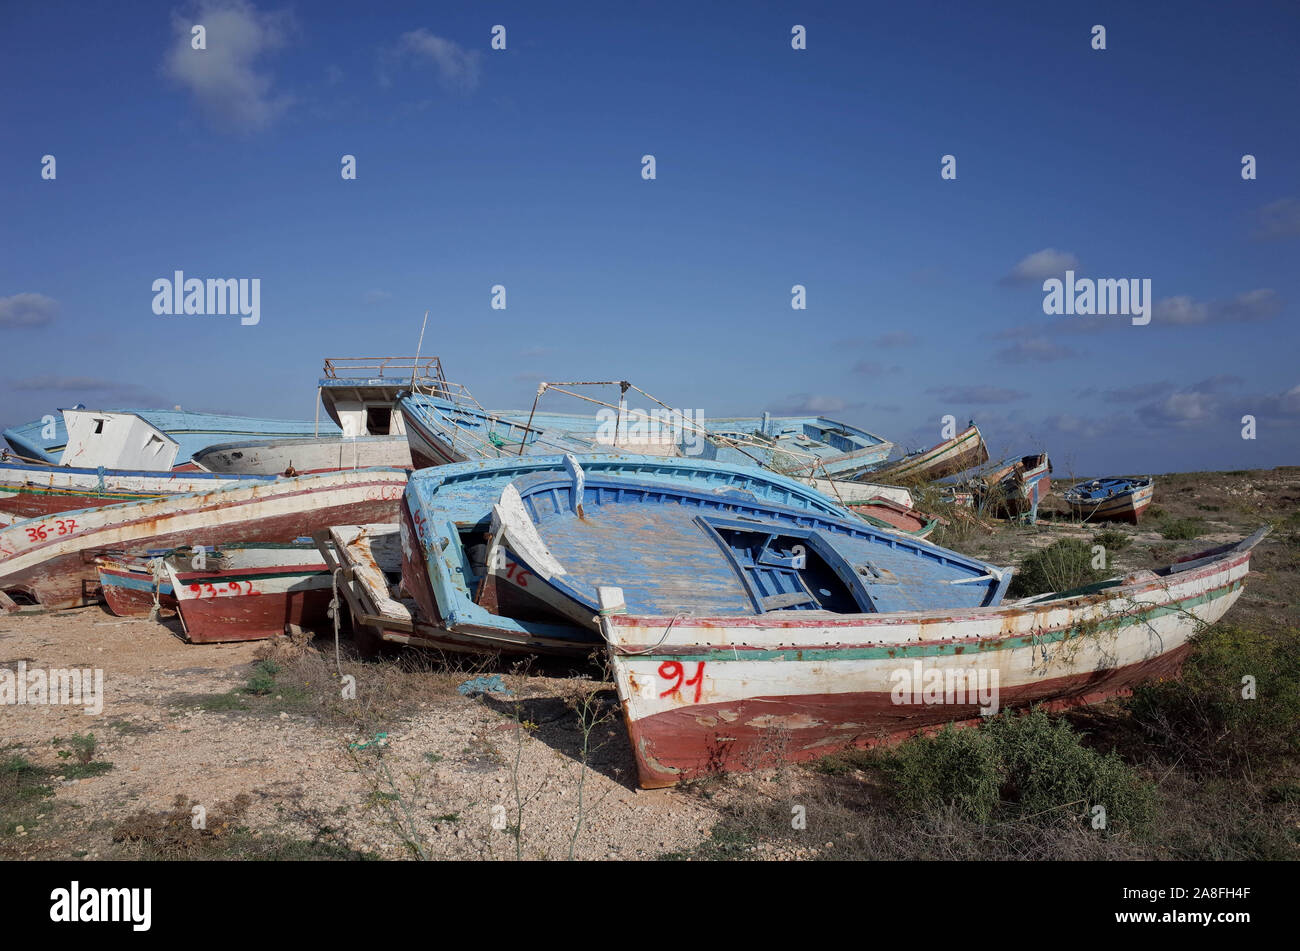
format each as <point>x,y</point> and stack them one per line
<point>156,566</point>
<point>334,613</point>
<point>651,650</point>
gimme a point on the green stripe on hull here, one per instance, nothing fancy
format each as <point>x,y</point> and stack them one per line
<point>904,651</point>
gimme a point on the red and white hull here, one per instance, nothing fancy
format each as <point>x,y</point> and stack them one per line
<point>51,561</point>
<point>34,491</point>
<point>706,694</point>
<point>1123,508</point>
<point>255,603</point>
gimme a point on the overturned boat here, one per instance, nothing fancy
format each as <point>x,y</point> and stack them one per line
<point>704,693</point>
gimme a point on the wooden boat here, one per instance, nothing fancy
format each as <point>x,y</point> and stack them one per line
<point>367,561</point>
<point>129,585</point>
<point>676,550</point>
<point>850,491</point>
<point>1014,488</point>
<point>447,516</point>
<point>951,456</point>
<point>1118,500</point>
<point>191,432</point>
<point>799,446</point>
<point>36,490</point>
<point>454,428</point>
<point>709,693</point>
<point>50,562</point>
<point>360,395</point>
<point>253,603</point>
<point>890,514</point>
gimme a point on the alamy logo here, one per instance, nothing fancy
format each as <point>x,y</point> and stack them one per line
<point>215,296</point>
<point>103,904</point>
<point>658,427</point>
<point>55,686</point>
<point>1108,296</point>
<point>946,685</point>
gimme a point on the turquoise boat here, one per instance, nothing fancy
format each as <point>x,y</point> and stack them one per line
<point>442,431</point>
<point>447,515</point>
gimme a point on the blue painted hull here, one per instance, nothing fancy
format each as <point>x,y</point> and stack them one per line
<point>442,431</point>
<point>448,512</point>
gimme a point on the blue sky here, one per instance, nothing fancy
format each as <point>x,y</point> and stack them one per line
<point>775,167</point>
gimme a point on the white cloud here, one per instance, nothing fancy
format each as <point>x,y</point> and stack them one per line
<point>1247,307</point>
<point>1040,265</point>
<point>457,67</point>
<point>228,79</point>
<point>27,310</point>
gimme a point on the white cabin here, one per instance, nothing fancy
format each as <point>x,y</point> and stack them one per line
<point>116,441</point>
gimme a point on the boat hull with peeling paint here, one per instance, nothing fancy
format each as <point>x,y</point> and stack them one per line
<point>949,457</point>
<point>252,604</point>
<point>51,562</point>
<point>703,694</point>
<point>1111,500</point>
<point>30,490</point>
<point>446,521</point>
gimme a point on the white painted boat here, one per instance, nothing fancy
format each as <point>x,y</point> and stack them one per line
<point>359,394</point>
<point>848,492</point>
<point>51,562</point>
<point>701,694</point>
<point>36,490</point>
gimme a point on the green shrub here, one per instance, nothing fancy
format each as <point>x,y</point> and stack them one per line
<point>1015,766</point>
<point>1061,566</point>
<point>1111,539</point>
<point>1183,528</point>
<point>1204,719</point>
<point>959,767</point>
<point>1050,770</point>
<point>262,680</point>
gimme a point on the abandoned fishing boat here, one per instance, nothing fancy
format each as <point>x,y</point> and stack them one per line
<point>889,514</point>
<point>254,603</point>
<point>35,490</point>
<point>1015,487</point>
<point>50,562</point>
<point>450,426</point>
<point>1115,500</point>
<point>48,440</point>
<point>447,513</point>
<point>949,457</point>
<point>718,692</point>
<point>850,491</point>
<point>359,394</point>
<point>132,587</point>
<point>677,549</point>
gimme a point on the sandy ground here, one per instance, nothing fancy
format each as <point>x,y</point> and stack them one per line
<point>454,772</point>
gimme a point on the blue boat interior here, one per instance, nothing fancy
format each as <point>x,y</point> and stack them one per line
<point>1098,490</point>
<point>781,442</point>
<point>452,508</point>
<point>676,550</point>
